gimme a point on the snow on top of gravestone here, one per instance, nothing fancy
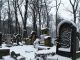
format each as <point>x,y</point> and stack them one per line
<point>42,36</point>
<point>32,32</point>
<point>64,49</point>
<point>37,40</point>
<point>47,51</point>
<point>65,21</point>
<point>43,28</point>
<point>45,37</point>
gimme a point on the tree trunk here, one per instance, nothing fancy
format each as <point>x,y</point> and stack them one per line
<point>16,16</point>
<point>9,18</point>
<point>74,17</point>
<point>25,20</point>
<point>34,22</point>
<point>39,24</point>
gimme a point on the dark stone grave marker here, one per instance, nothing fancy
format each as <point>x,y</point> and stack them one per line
<point>0,38</point>
<point>66,39</point>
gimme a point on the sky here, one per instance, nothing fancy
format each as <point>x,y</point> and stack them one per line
<point>63,9</point>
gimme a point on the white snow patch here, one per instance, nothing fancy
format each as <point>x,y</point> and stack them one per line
<point>42,37</point>
<point>36,43</point>
<point>27,51</point>
<point>64,49</point>
<point>7,58</point>
<point>46,37</point>
<point>57,57</point>
<point>51,50</point>
<point>43,47</point>
<point>44,28</point>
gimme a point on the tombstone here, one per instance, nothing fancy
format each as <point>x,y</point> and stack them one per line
<point>33,37</point>
<point>4,52</point>
<point>45,31</point>
<point>0,38</point>
<point>66,39</point>
<point>47,41</point>
<point>18,38</point>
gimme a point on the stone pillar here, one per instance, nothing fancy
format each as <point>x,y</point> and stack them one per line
<point>0,39</point>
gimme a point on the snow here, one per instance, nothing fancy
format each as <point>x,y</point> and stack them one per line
<point>77,51</point>
<point>58,57</point>
<point>64,49</point>
<point>46,37</point>
<point>51,50</point>
<point>7,58</point>
<point>20,58</point>
<point>27,51</point>
<point>43,47</point>
<point>37,40</point>
<point>32,32</point>
<point>36,43</point>
<point>42,37</point>
<point>43,28</point>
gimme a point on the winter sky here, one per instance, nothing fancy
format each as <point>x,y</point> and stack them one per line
<point>63,10</point>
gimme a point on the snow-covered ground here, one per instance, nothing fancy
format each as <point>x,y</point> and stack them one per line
<point>28,51</point>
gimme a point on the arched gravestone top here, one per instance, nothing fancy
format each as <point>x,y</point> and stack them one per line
<point>63,22</point>
<point>66,38</point>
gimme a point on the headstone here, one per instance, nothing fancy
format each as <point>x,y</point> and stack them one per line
<point>4,52</point>
<point>66,39</point>
<point>47,41</point>
<point>0,38</point>
<point>18,39</point>
<point>33,36</point>
<point>45,30</point>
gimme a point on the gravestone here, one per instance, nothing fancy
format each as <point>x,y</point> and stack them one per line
<point>18,38</point>
<point>66,39</point>
<point>33,37</point>
<point>45,31</point>
<point>0,38</point>
<point>47,41</point>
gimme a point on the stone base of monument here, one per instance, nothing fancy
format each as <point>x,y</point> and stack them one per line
<point>63,53</point>
<point>78,54</point>
<point>4,52</point>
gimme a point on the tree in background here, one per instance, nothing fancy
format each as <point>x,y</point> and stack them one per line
<point>75,5</point>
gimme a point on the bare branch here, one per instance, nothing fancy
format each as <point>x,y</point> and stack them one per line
<point>71,3</point>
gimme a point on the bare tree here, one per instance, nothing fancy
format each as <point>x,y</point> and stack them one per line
<point>9,18</point>
<point>24,18</point>
<point>74,4</point>
<point>57,8</point>
<point>0,13</point>
<point>15,2</point>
